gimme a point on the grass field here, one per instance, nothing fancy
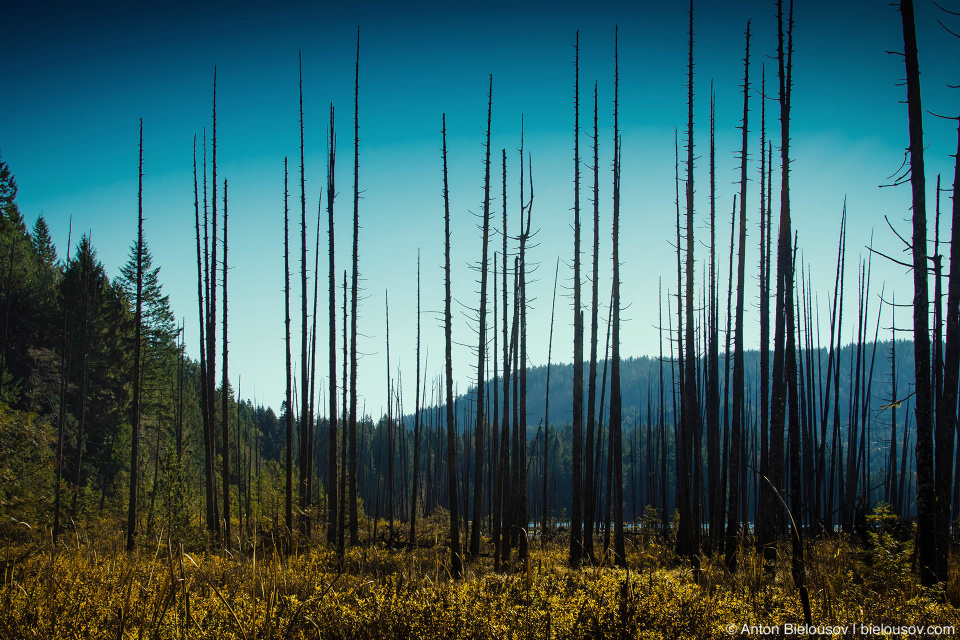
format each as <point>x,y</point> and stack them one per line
<point>89,587</point>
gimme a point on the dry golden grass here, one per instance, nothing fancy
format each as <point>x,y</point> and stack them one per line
<point>87,589</point>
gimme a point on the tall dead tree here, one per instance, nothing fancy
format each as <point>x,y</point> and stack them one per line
<point>503,464</point>
<point>342,503</point>
<point>616,454</point>
<point>288,502</point>
<point>832,359</point>
<point>416,425</point>
<point>522,516</point>
<point>576,527</point>
<point>456,565</point>
<point>778,395</point>
<point>225,386</point>
<point>546,409</point>
<point>212,314</point>
<point>332,339</point>
<point>946,416</point>
<point>137,349</point>
<point>203,287</point>
<point>390,427</point>
<point>688,543</point>
<point>590,496</point>
<point>714,488</point>
<point>765,225</point>
<point>305,427</point>
<point>482,346</point>
<point>354,516</point>
<point>739,398</point>
<point>928,554</point>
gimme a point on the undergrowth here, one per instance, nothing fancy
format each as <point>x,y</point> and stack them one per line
<point>92,588</point>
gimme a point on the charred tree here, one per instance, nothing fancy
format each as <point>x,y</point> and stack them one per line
<point>546,409</point>
<point>739,396</point>
<point>576,528</point>
<point>212,315</point>
<point>590,496</point>
<point>332,504</point>
<point>354,516</point>
<point>288,503</point>
<point>946,416</point>
<point>304,420</point>
<point>688,543</point>
<point>482,346</point>
<point>137,348</point>
<point>715,489</point>
<point>616,453</point>
<point>225,386</point>
<point>416,426</point>
<point>928,553</point>
<point>456,565</point>
<point>500,541</point>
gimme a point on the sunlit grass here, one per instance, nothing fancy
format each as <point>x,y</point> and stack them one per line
<point>87,589</point>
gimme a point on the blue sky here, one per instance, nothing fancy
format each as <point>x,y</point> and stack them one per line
<point>78,78</point>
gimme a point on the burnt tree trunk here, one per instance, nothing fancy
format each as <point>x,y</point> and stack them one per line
<point>456,565</point>
<point>137,348</point>
<point>482,346</point>
<point>354,516</point>
<point>332,504</point>
<point>739,398</point>
<point>576,530</point>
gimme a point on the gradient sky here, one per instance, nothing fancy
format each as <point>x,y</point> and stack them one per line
<point>77,77</point>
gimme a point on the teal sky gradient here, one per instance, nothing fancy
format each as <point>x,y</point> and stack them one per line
<point>78,78</point>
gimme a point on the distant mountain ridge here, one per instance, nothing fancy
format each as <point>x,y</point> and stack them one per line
<point>640,385</point>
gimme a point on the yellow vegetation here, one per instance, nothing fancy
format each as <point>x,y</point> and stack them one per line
<point>86,589</point>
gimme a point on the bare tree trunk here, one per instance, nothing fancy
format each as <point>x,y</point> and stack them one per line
<point>688,536</point>
<point>825,405</point>
<point>354,516</point>
<point>225,388</point>
<point>523,514</point>
<point>416,425</point>
<point>590,496</point>
<point>212,316</point>
<point>511,496</point>
<point>946,415</point>
<point>332,504</point>
<point>715,489</point>
<point>482,346</point>
<point>929,555</point>
<point>890,482</point>
<point>778,396</point>
<point>342,514</point>
<point>576,528</point>
<point>456,565</point>
<point>836,450</point>
<point>390,428</point>
<point>137,348</point>
<point>765,225</point>
<point>616,454</point>
<point>288,503</point>
<point>203,291</point>
<point>739,398</point>
<point>546,411</point>
<point>304,379</point>
<point>503,464</point>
